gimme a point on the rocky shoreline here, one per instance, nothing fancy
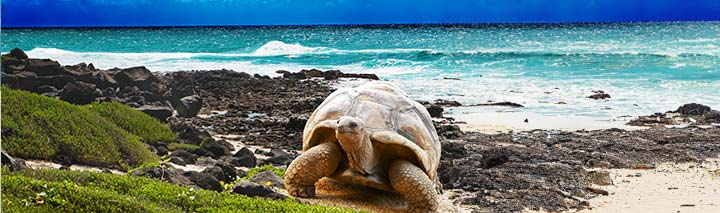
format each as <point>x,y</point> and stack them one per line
<point>237,121</point>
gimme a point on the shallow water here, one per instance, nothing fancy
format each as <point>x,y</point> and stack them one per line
<point>645,67</point>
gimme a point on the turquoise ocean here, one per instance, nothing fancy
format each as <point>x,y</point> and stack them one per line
<point>645,67</point>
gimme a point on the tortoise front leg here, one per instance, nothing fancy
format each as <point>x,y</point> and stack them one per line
<point>317,162</point>
<point>414,185</point>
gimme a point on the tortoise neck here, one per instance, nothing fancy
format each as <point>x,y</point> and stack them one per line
<point>363,158</point>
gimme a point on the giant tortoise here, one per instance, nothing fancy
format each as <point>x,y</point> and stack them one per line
<point>372,135</point>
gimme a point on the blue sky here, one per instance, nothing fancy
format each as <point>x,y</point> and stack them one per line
<point>44,13</point>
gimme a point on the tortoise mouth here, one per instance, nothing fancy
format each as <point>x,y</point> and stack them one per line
<point>346,131</point>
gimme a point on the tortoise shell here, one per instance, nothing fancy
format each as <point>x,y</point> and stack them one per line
<point>389,116</point>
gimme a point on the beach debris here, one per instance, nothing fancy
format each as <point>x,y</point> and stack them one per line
<point>526,120</point>
<point>642,166</point>
<point>687,205</point>
<point>598,191</point>
<point>601,178</point>
<point>449,78</point>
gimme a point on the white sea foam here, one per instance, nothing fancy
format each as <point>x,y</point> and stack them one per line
<point>273,48</point>
<point>160,61</point>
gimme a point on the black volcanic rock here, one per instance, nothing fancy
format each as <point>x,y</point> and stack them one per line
<point>136,76</point>
<point>327,75</point>
<point>159,112</point>
<point>79,93</point>
<point>57,81</point>
<point>599,95</point>
<point>217,147</point>
<point>173,176</point>
<point>43,67</point>
<point>203,180</point>
<point>18,53</point>
<point>185,155</point>
<point>434,110</point>
<point>251,189</point>
<point>189,106</point>
<point>27,81</point>
<point>504,103</point>
<point>268,176</point>
<point>693,109</point>
<point>245,158</point>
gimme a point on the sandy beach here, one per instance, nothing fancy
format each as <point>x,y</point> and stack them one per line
<point>670,187</point>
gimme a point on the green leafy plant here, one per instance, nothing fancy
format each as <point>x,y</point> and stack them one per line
<point>149,129</point>
<point>85,191</point>
<point>40,127</point>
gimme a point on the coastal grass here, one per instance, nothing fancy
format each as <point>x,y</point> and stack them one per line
<point>182,146</point>
<point>50,190</point>
<point>149,129</point>
<point>40,127</point>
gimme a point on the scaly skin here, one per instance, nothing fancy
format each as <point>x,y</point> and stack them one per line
<point>317,162</point>
<point>414,185</point>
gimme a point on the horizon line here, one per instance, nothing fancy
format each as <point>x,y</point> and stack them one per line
<point>359,25</point>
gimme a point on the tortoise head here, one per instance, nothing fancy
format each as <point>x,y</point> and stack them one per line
<point>350,132</point>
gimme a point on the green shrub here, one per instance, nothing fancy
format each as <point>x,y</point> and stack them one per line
<point>51,190</point>
<point>149,129</point>
<point>40,127</point>
<point>183,146</point>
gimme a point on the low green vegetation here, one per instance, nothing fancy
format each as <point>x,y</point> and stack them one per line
<point>280,172</point>
<point>73,191</point>
<point>183,146</point>
<point>40,127</point>
<point>149,129</point>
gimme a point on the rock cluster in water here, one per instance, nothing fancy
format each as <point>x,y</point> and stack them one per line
<point>691,114</point>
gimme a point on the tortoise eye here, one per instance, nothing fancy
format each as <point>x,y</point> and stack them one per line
<point>352,125</point>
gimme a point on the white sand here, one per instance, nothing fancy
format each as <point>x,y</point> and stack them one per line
<point>40,164</point>
<point>506,119</point>
<point>664,189</point>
